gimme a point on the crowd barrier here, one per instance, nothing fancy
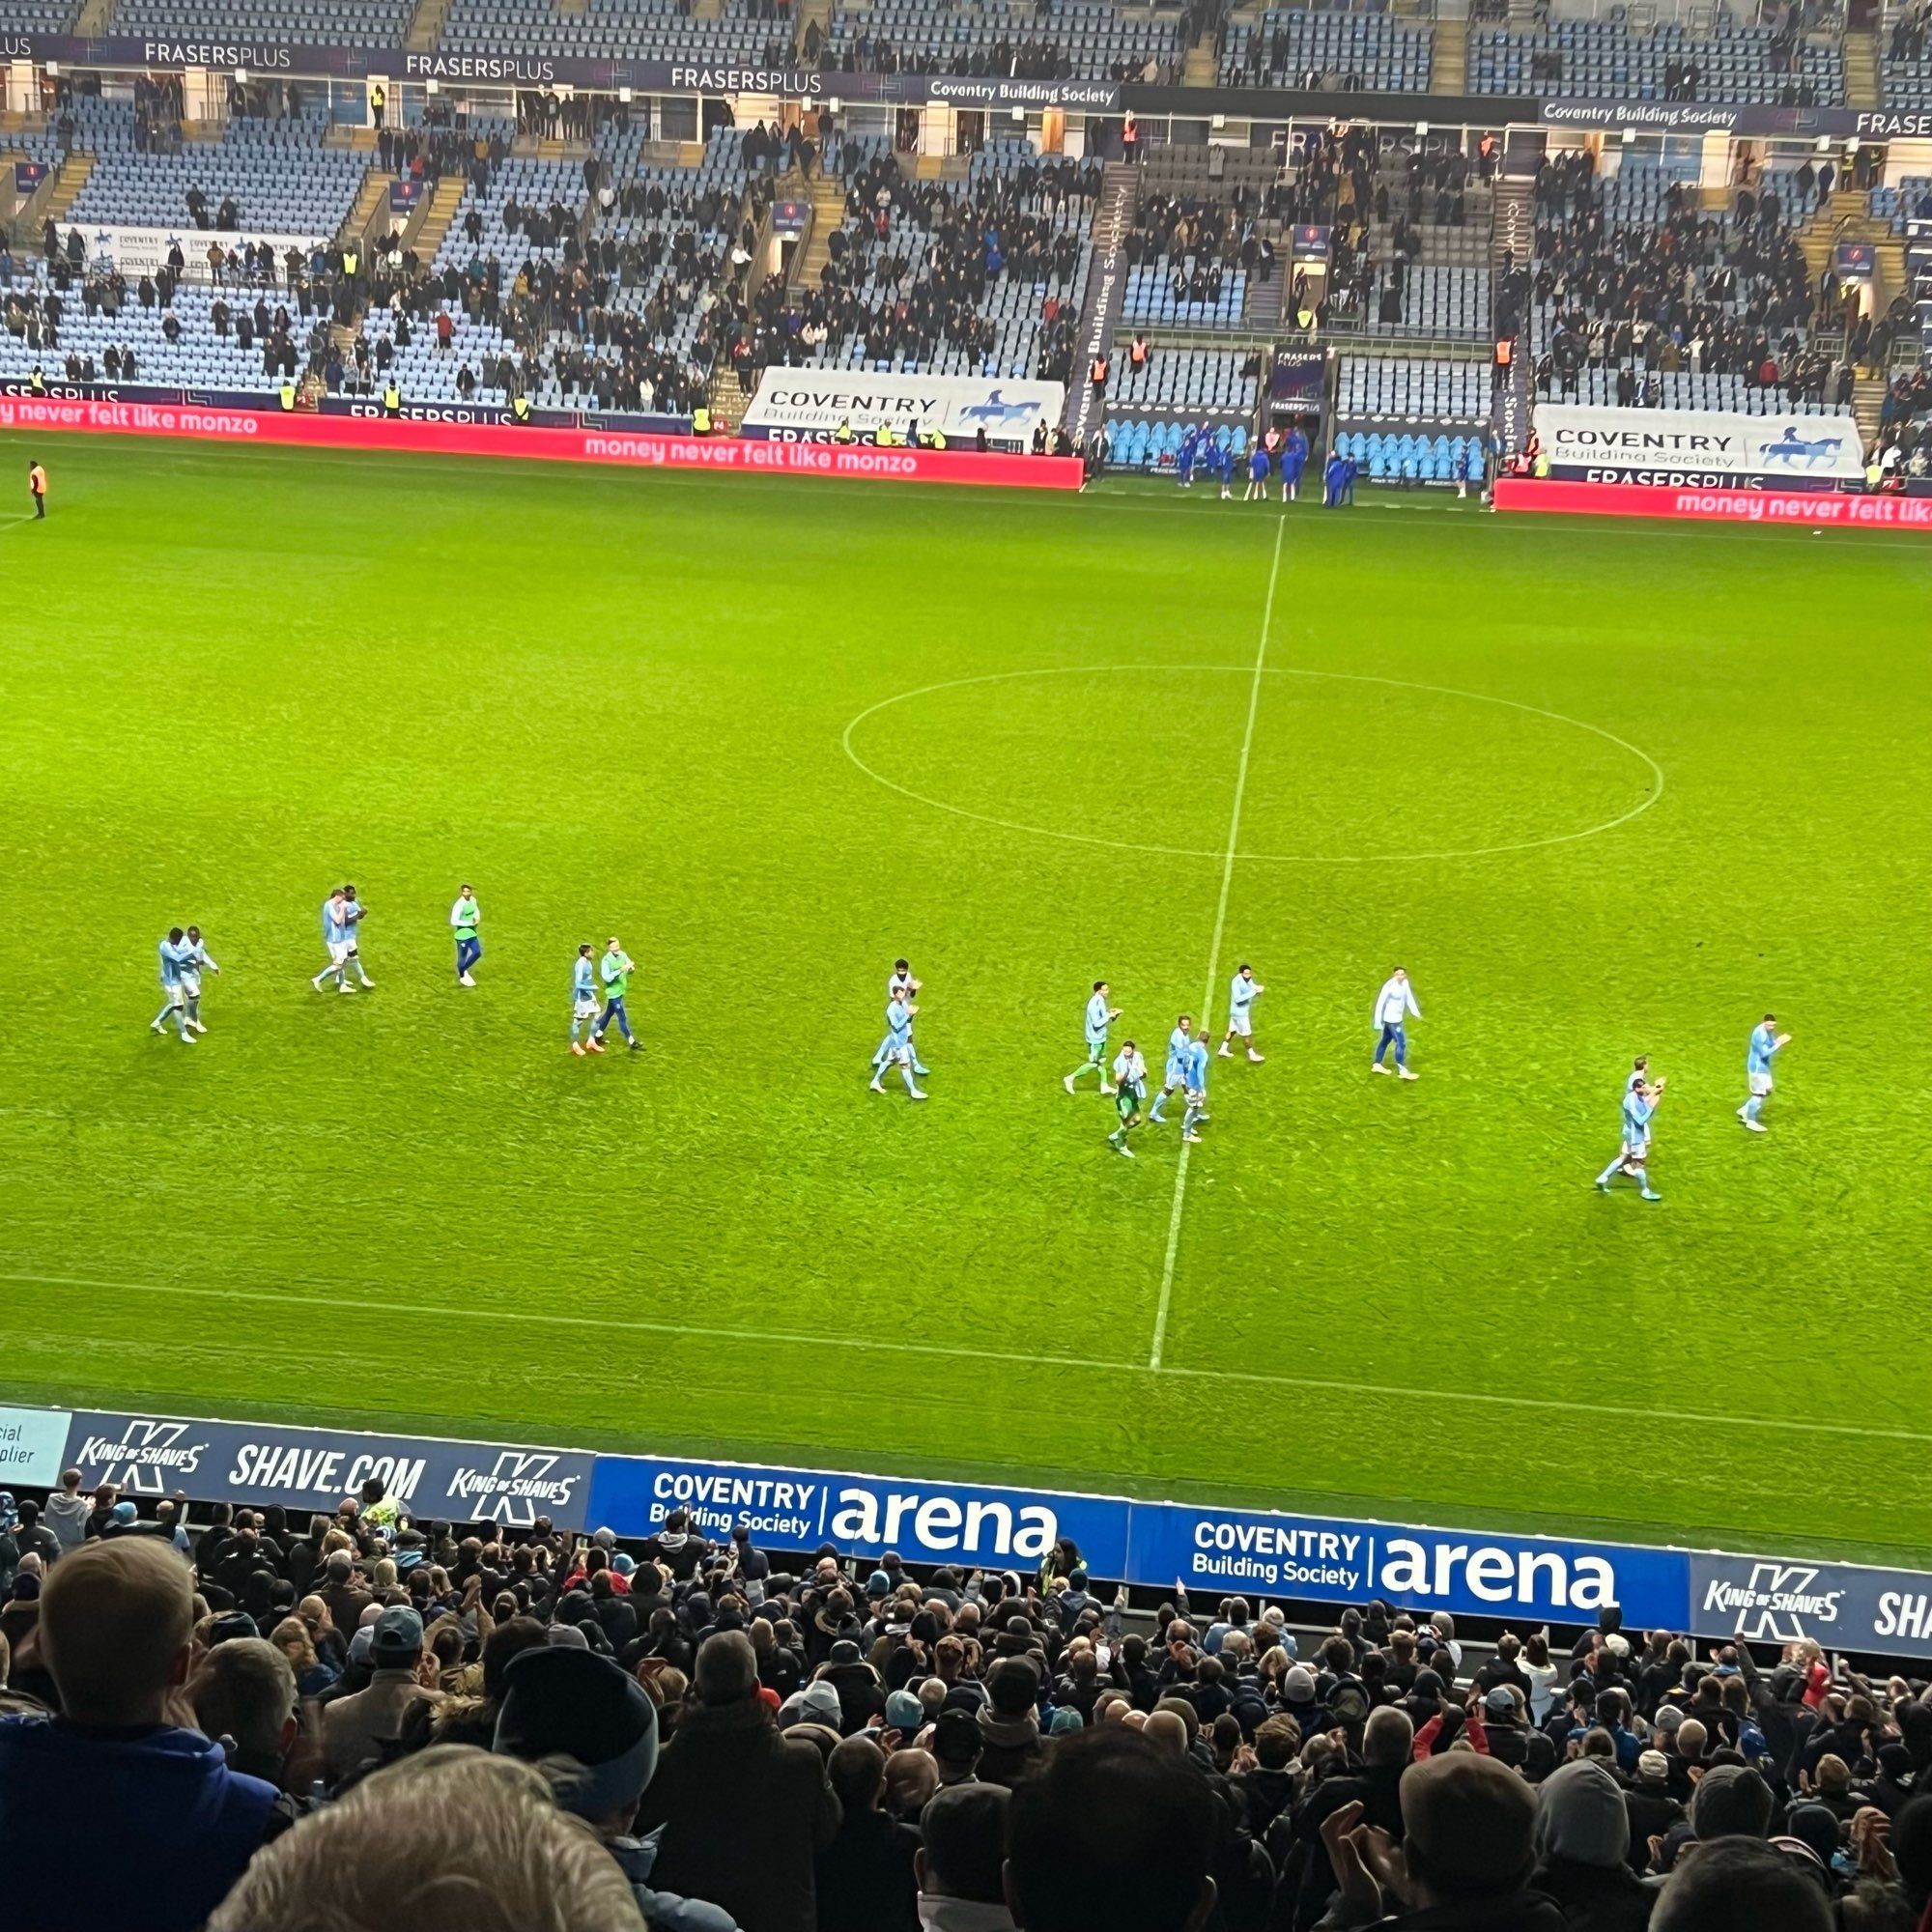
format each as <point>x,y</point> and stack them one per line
<point>1698,503</point>
<point>1530,1579</point>
<point>584,445</point>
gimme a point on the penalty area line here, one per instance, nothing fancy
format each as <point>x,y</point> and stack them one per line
<point>1215,945</point>
<point>298,1294</point>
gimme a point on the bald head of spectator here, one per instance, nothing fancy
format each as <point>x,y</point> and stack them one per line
<point>1167,1731</point>
<point>1111,1830</point>
<point>116,1621</point>
<point>1469,1829</point>
<point>1387,1736</point>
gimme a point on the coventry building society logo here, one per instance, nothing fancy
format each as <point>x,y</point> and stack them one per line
<point>1775,1604</point>
<point>149,1456</point>
<point>520,1486</point>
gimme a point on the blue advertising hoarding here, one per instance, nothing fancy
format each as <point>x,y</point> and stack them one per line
<point>1216,1551</point>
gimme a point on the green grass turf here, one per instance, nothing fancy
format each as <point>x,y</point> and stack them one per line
<point>615,703</point>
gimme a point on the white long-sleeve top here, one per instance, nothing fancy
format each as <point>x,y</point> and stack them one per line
<point>1396,998</point>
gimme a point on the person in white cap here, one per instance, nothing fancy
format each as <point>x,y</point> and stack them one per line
<point>1395,1002</point>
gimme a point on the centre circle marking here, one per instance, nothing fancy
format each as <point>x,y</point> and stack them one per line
<point>1636,751</point>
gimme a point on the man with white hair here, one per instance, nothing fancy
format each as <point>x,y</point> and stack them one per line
<point>1394,1004</point>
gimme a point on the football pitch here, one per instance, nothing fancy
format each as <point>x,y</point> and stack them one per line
<point>1601,788</point>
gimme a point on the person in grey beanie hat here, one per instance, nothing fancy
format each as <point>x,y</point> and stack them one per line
<point>1583,1844</point>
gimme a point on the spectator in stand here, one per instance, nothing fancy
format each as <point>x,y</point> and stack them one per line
<point>113,1814</point>
<point>358,1729</point>
<point>452,1840</point>
<point>1741,1886</point>
<point>742,1809</point>
<point>865,1878</point>
<point>1111,1831</point>
<point>1582,1842</point>
<point>961,1861</point>
<point>68,1512</point>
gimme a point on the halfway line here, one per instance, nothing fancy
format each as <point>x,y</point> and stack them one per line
<point>1214,947</point>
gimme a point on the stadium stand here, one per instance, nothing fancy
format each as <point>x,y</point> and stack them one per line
<point>983,276</point>
<point>1640,294</point>
<point>1412,386</point>
<point>365,23</point>
<point>1034,40</point>
<point>1413,457</point>
<point>736,35</point>
<point>729,1742</point>
<point>1347,50</point>
<point>1904,64</point>
<point>1152,403</point>
<point>1607,59</point>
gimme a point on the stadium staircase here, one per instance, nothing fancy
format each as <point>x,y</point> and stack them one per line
<point>426,24</point>
<point>812,13</point>
<point>1862,71</point>
<point>432,220</point>
<point>1449,58</point>
<point>369,213</point>
<point>1868,405</point>
<point>1847,216</point>
<point>1201,69</point>
<point>63,187</point>
<point>95,19</point>
<point>1264,302</point>
<point>828,211</point>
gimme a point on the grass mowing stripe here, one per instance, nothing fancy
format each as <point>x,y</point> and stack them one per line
<point>869,1344</point>
<point>1215,945</point>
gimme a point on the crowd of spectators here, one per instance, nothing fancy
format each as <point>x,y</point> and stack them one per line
<point>1694,291</point>
<point>910,271</point>
<point>368,1722</point>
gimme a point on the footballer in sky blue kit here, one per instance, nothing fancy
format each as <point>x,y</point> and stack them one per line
<point>338,935</point>
<point>1179,1043</point>
<point>172,952</point>
<point>898,1047</point>
<point>354,912</point>
<point>583,1002</point>
<point>1099,1017</point>
<point>1197,1090</point>
<point>195,961</point>
<point>1242,993</point>
<point>1766,1044</point>
<point>1641,1095</point>
<point>904,989</point>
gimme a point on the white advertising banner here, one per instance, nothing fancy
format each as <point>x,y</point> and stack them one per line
<point>142,251</point>
<point>808,406</point>
<point>1709,447</point>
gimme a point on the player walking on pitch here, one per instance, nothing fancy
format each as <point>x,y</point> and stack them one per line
<point>1641,1097</point>
<point>466,917</point>
<point>1197,1090</point>
<point>898,1049</point>
<point>195,961</point>
<point>1766,1044</point>
<point>1180,1044</point>
<point>1394,1004</point>
<point>354,912</point>
<point>172,952</point>
<point>337,936</point>
<point>1242,993</point>
<point>583,1002</point>
<point>1099,1017</point>
<point>615,969</point>
<point>903,988</point>
<point>1129,1089</point>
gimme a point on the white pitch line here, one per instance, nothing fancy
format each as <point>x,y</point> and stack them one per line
<point>298,1294</point>
<point>1214,945</point>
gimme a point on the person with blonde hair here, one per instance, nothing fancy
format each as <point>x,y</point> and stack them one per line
<point>116,1814</point>
<point>449,1841</point>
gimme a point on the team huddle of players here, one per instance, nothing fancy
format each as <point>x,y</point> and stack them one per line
<point>600,987</point>
<point>1281,453</point>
